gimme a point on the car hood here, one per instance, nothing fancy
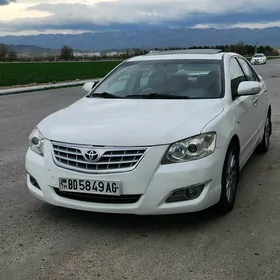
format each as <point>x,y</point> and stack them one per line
<point>129,122</point>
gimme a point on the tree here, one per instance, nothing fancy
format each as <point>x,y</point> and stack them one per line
<point>66,52</point>
<point>12,55</point>
<point>3,52</point>
<point>239,48</point>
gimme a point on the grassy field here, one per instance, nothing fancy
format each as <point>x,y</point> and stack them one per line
<point>27,73</point>
<point>13,74</point>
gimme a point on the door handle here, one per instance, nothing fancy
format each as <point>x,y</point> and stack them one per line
<point>255,100</point>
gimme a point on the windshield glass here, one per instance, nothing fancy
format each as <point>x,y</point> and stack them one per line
<point>258,55</point>
<point>190,79</point>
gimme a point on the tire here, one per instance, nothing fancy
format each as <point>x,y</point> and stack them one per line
<point>230,180</point>
<point>264,145</point>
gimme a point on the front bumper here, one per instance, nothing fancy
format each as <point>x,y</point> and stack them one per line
<point>257,62</point>
<point>152,182</point>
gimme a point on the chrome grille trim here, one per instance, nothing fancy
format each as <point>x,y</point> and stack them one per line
<point>111,159</point>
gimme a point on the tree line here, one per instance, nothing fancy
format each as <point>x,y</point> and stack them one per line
<point>243,49</point>
<point>7,54</point>
<point>67,52</point>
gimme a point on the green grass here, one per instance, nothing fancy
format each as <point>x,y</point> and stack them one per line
<point>27,73</point>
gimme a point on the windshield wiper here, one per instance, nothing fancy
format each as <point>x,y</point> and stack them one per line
<point>104,95</point>
<point>155,95</point>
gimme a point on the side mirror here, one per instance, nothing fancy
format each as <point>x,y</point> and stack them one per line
<point>89,86</point>
<point>248,88</point>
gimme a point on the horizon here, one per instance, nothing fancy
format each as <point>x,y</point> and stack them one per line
<point>33,17</point>
<point>155,27</point>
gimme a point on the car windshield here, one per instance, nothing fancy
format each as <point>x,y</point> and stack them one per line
<point>161,79</point>
<point>258,55</point>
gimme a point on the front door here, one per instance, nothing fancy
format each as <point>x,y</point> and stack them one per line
<point>247,124</point>
<point>260,100</point>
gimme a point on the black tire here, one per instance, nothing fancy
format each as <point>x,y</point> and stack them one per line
<point>264,145</point>
<point>230,180</point>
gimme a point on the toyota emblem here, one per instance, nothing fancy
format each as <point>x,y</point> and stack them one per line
<point>91,155</point>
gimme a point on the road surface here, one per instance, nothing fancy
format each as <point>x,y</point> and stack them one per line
<point>38,241</point>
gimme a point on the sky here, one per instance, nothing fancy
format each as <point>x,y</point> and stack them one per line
<point>31,17</point>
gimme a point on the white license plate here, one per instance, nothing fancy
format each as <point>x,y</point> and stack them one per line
<point>90,186</point>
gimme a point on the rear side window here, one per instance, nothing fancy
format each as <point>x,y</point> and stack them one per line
<point>249,72</point>
<point>236,75</point>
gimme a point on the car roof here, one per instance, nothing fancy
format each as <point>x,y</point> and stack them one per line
<point>207,54</point>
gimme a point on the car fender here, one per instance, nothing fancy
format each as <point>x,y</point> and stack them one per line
<point>225,125</point>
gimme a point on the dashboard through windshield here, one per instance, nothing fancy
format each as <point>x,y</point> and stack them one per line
<point>161,79</point>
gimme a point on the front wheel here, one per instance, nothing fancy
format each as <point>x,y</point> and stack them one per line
<point>230,179</point>
<point>264,145</point>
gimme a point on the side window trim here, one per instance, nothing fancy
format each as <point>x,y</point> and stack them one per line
<point>253,70</point>
<point>234,57</point>
<point>243,71</point>
<point>250,67</point>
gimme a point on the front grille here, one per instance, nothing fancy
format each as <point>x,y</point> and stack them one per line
<point>98,198</point>
<point>114,159</point>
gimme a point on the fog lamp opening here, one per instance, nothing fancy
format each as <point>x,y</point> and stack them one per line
<point>193,192</point>
<point>186,194</point>
<point>34,182</point>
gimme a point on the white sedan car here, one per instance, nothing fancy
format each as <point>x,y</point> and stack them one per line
<point>258,58</point>
<point>163,133</point>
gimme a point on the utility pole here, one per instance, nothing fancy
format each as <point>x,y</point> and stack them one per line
<point>256,47</point>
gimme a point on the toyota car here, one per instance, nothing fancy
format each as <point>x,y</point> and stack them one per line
<point>258,58</point>
<point>162,133</point>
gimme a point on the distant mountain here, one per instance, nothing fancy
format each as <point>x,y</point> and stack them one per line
<point>151,38</point>
<point>33,50</point>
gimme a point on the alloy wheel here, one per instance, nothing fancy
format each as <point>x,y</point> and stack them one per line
<point>267,133</point>
<point>231,176</point>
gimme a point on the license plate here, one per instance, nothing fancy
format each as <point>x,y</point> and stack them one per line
<point>90,186</point>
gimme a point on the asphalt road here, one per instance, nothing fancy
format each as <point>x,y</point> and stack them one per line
<point>38,241</point>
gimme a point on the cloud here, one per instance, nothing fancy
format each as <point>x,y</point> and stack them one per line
<point>89,15</point>
<point>6,2</point>
<point>154,11</point>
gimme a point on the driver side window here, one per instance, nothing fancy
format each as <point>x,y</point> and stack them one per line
<point>236,75</point>
<point>250,75</point>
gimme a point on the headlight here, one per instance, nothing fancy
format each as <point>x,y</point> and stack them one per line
<point>193,148</point>
<point>36,142</point>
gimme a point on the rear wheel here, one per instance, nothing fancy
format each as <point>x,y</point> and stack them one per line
<point>230,179</point>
